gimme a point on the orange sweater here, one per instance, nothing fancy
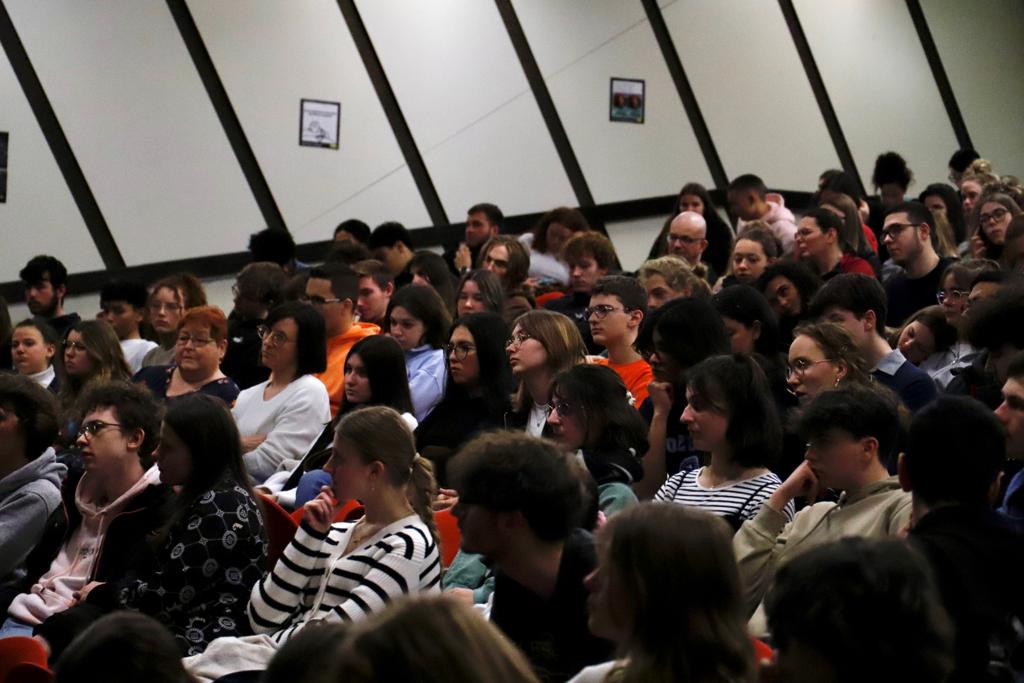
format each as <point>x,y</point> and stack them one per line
<point>636,376</point>
<point>337,351</point>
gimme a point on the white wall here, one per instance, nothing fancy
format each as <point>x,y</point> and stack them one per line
<point>609,38</point>
<point>982,51</point>
<point>468,104</point>
<point>143,129</point>
<point>752,90</point>
<point>39,214</point>
<point>882,89</point>
<point>633,239</point>
<point>283,52</point>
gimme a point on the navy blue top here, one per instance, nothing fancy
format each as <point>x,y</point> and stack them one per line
<point>158,377</point>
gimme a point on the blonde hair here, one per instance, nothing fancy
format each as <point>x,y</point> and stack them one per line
<point>678,275</point>
<point>436,639</point>
<point>378,433</point>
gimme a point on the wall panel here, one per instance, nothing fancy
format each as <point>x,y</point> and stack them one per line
<point>610,38</point>
<point>143,129</point>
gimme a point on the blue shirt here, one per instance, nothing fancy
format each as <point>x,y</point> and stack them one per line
<point>912,384</point>
<point>427,377</point>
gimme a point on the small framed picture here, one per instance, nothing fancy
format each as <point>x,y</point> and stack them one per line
<point>319,123</point>
<point>627,100</point>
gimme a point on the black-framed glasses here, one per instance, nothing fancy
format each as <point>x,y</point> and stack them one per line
<point>268,336</point>
<point>685,239</point>
<point>893,230</point>
<point>518,339</point>
<point>953,294</point>
<point>459,350</point>
<point>318,300</point>
<point>197,342</point>
<point>993,217</point>
<point>564,408</point>
<point>601,311</point>
<point>94,427</point>
<point>801,365</point>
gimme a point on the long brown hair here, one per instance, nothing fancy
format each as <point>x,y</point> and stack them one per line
<point>378,433</point>
<point>104,350</point>
<point>665,554</point>
<point>561,340</point>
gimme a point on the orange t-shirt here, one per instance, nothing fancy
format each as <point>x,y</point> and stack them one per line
<point>636,376</point>
<point>337,351</point>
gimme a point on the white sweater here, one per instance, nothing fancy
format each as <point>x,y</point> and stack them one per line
<point>291,421</point>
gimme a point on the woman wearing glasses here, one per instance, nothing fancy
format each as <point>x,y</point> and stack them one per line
<point>476,397</point>
<point>279,419</point>
<point>991,216</point>
<point>170,298</point>
<point>955,289</point>
<point>199,349</point>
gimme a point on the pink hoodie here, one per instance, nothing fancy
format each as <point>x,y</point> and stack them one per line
<point>780,219</point>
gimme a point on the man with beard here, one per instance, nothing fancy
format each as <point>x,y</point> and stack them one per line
<point>909,235</point>
<point>46,285</point>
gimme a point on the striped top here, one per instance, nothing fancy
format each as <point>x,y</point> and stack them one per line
<point>314,581</point>
<point>741,500</point>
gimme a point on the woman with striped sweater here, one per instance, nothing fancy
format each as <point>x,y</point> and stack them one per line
<point>344,571</point>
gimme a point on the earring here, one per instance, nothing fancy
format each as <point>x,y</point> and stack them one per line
<point>836,385</point>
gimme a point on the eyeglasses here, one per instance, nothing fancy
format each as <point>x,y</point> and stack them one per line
<point>318,300</point>
<point>564,408</point>
<point>271,338</point>
<point>685,239</point>
<point>892,231</point>
<point>197,342</point>
<point>953,294</point>
<point>601,311</point>
<point>76,345</point>
<point>517,339</point>
<point>993,217</point>
<point>459,350</point>
<point>94,427</point>
<point>800,366</point>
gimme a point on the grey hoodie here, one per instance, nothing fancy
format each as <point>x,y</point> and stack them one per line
<point>28,496</point>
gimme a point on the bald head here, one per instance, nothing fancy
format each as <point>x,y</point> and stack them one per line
<point>687,236</point>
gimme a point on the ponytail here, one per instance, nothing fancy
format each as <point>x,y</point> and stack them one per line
<point>421,490</point>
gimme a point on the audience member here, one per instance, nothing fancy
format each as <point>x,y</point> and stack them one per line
<point>418,320</point>
<point>483,221</point>
<point>352,230</point>
<point>542,344</point>
<point>857,302</point>
<point>694,197</point>
<point>996,329</point>
<point>546,241</point>
<point>752,253</point>
<point>730,415</point>
<point>953,296</point>
<point>349,253</point>
<point>279,419</point>
<point>618,305</point>
<point>479,291</point>
<point>909,235</point>
<point>860,237</point>
<point>123,647</point>
<point>926,340</point>
<point>33,350</point>
<point>590,256</point>
<point>859,610</point>
<point>477,395</point>
<point>852,434</point>
<point>1012,257</point>
<point>820,244</point>
<point>209,553</point>
<point>972,183</point>
<point>687,240</point>
<point>959,162</point>
<point>824,356</point>
<point>519,506</point>
<point>376,285</point>
<point>46,284</point>
<point>276,245</point>
<point>703,637</point>
<point>1011,414</point>
<point>308,656</point>
<point>30,476</point>
<point>202,341</point>
<point>430,640</point>
<point>115,505</point>
<point>992,216</point>
<point>950,224</point>
<point>508,258</point>
<point>668,277</point>
<point>168,301</point>
<point>91,354</point>
<point>972,550</point>
<point>789,287</point>
<point>891,179</point>
<point>390,552</point>
<point>333,291</point>
<point>429,269</point>
<point>123,305</point>
<point>593,418</point>
<point>391,244</point>
<point>749,200</point>
<point>675,338</point>
<point>258,288</point>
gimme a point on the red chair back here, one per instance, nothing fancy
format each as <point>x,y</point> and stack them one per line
<point>350,511</point>
<point>450,536</point>
<point>549,296</point>
<point>18,650</point>
<point>29,672</point>
<point>279,525</point>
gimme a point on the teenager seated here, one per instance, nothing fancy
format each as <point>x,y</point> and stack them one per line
<point>519,506</point>
<point>668,277</point>
<point>656,555</point>
<point>30,476</point>
<point>113,508</point>
<point>196,572</point>
<point>789,286</point>
<point>34,347</point>
<point>418,320</point>
<point>851,435</point>
<point>198,350</point>
<point>590,256</point>
<point>123,305</point>
<point>618,306</point>
<point>258,288</point>
<point>168,301</point>
<point>346,570</point>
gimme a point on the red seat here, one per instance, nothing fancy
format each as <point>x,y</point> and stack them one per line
<point>29,672</point>
<point>549,296</point>
<point>450,536</point>
<point>18,650</point>
<point>350,511</point>
<point>763,653</point>
<point>279,525</point>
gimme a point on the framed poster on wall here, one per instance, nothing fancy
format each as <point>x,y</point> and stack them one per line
<point>627,100</point>
<point>319,123</point>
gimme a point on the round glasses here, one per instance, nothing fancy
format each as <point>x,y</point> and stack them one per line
<point>459,350</point>
<point>800,366</point>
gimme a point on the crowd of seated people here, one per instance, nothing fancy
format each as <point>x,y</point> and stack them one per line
<point>786,447</point>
